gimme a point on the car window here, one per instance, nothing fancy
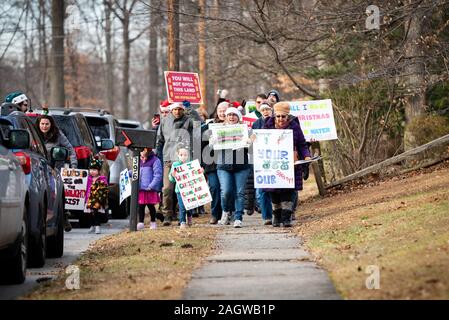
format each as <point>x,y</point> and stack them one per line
<point>86,134</point>
<point>99,127</point>
<point>69,128</point>
<point>36,139</point>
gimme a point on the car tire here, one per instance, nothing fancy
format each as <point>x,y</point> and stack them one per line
<point>14,271</point>
<point>55,243</point>
<point>38,249</point>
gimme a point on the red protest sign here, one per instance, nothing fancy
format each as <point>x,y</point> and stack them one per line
<point>183,86</point>
<point>249,121</point>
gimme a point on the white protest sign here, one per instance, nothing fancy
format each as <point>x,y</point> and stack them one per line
<point>316,118</point>
<point>75,185</point>
<point>125,185</point>
<point>192,185</point>
<point>273,159</point>
<point>229,136</point>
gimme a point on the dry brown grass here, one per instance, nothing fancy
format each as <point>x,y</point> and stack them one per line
<point>400,225</point>
<point>153,264</point>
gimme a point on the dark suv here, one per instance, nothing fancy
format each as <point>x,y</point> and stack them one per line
<point>75,127</point>
<point>46,192</point>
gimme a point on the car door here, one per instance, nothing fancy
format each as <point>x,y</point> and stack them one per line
<point>50,174</point>
<point>12,188</point>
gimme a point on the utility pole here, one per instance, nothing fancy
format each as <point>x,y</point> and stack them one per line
<point>57,93</point>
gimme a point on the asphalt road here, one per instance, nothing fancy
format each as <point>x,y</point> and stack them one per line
<point>75,243</point>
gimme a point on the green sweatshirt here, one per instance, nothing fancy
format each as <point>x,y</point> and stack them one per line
<point>170,177</point>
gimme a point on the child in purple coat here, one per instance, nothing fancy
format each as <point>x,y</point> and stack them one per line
<point>150,186</point>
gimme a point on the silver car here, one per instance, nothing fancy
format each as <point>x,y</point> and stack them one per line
<point>13,218</point>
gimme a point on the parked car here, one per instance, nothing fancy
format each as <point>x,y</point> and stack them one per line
<point>46,191</point>
<point>103,126</point>
<point>14,205</point>
<point>131,124</point>
<point>75,127</point>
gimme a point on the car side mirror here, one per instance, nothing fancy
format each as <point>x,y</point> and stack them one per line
<point>59,153</point>
<point>19,139</point>
<point>107,144</point>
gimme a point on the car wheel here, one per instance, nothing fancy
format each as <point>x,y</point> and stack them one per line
<point>39,248</point>
<point>55,243</point>
<point>14,271</point>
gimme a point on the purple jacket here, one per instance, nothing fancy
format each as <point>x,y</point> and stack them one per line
<point>151,173</point>
<point>299,144</point>
<point>89,185</point>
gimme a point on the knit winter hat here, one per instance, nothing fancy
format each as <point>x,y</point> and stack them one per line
<point>281,108</point>
<point>265,105</point>
<point>274,93</point>
<point>234,110</point>
<point>16,97</point>
<point>95,163</point>
<point>164,105</point>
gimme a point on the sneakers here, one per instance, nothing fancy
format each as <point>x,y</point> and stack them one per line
<point>183,225</point>
<point>153,225</point>
<point>91,230</point>
<point>225,219</point>
<point>189,221</point>
<point>97,230</point>
<point>140,226</point>
<point>237,223</point>
<point>267,222</point>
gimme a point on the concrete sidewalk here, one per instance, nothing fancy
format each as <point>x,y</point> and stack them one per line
<point>259,262</point>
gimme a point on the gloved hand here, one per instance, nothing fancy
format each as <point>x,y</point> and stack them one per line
<point>186,104</point>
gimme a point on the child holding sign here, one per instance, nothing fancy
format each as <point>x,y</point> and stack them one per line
<point>183,156</point>
<point>96,195</point>
<point>150,186</point>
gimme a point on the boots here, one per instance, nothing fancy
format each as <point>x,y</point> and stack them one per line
<point>67,225</point>
<point>277,218</point>
<point>286,218</point>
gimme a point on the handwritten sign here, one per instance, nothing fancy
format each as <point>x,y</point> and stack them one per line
<point>229,136</point>
<point>273,159</point>
<point>125,185</point>
<point>316,118</point>
<point>192,185</point>
<point>249,119</point>
<point>183,86</point>
<point>75,185</point>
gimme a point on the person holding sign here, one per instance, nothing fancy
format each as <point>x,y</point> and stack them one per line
<point>183,157</point>
<point>282,199</point>
<point>233,168</point>
<point>150,186</point>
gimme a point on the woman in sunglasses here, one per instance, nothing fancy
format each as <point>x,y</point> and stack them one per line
<point>282,199</point>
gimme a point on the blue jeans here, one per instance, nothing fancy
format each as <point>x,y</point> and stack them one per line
<point>182,209</point>
<point>264,201</point>
<point>232,184</point>
<point>214,187</point>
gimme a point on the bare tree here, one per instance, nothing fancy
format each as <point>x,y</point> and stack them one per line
<point>56,70</point>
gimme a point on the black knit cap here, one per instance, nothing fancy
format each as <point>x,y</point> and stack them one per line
<point>95,163</point>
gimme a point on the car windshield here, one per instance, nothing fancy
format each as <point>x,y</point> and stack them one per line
<point>99,127</point>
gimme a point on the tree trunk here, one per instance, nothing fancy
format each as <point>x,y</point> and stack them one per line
<point>415,101</point>
<point>57,94</point>
<point>109,63</point>
<point>125,71</point>
<point>43,57</point>
<point>202,52</point>
<point>173,35</point>
<point>215,60</point>
<point>153,70</point>
<point>73,62</point>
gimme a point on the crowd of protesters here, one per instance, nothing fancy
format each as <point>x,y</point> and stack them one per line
<point>229,172</point>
